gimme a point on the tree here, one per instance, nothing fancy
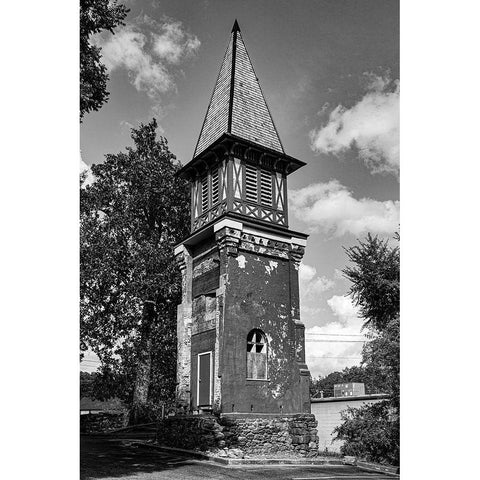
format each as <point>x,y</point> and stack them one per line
<point>131,217</point>
<point>375,277</point>
<point>325,384</point>
<point>381,355</point>
<point>95,16</point>
<point>86,383</point>
<point>367,374</point>
<point>373,431</point>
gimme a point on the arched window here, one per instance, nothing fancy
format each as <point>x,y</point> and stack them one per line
<point>256,355</point>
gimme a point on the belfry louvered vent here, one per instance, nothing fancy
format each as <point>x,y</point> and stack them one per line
<point>251,183</point>
<point>204,194</point>
<point>266,188</point>
<point>214,186</point>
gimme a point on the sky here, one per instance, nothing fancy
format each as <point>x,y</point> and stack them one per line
<point>330,73</point>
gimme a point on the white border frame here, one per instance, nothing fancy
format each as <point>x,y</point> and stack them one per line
<point>198,379</point>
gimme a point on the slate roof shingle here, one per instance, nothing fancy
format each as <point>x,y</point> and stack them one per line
<point>243,112</point>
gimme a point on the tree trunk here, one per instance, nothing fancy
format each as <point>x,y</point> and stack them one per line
<point>139,411</point>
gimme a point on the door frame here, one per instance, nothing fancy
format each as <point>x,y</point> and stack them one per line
<point>198,379</point>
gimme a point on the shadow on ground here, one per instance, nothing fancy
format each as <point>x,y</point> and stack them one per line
<point>114,457</point>
<point>111,458</point>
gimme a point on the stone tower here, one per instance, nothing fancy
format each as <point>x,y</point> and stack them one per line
<point>241,345</point>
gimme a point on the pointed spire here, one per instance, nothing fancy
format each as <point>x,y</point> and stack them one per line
<point>237,105</point>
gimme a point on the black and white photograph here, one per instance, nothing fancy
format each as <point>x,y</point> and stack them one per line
<point>202,249</point>
<point>239,239</point>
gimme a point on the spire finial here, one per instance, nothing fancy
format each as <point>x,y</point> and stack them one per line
<point>235,28</point>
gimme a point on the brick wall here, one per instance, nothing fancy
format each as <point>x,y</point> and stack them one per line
<point>259,296</point>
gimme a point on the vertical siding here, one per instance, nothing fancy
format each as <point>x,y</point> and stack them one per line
<point>328,417</point>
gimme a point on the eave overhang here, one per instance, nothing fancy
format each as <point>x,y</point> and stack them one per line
<point>228,144</point>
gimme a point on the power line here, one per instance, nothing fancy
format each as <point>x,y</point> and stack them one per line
<point>320,356</point>
<point>335,341</point>
<point>338,334</point>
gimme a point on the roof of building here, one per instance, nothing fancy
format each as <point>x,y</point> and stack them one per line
<point>237,105</point>
<point>344,384</point>
<point>372,396</point>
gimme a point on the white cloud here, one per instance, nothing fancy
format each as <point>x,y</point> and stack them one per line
<point>147,49</point>
<point>324,357</point>
<point>174,44</point>
<point>372,125</point>
<point>311,285</point>
<point>343,308</point>
<point>332,208</point>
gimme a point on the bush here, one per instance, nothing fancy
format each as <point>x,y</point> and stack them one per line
<point>371,432</point>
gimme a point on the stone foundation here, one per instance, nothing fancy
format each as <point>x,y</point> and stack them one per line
<point>102,422</point>
<point>242,435</point>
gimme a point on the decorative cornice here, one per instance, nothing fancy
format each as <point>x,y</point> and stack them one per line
<point>245,150</point>
<point>264,246</point>
<point>181,256</point>
<point>296,253</point>
<point>228,240</point>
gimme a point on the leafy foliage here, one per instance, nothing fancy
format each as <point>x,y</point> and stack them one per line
<point>95,16</point>
<point>382,355</point>
<point>373,431</point>
<point>372,378</point>
<point>86,384</point>
<point>132,216</point>
<point>375,277</point>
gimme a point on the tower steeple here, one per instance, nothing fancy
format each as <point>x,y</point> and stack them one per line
<point>237,105</point>
<point>239,166</point>
<point>241,344</point>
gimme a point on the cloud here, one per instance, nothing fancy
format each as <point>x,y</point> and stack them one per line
<point>332,208</point>
<point>330,354</point>
<point>311,285</point>
<point>173,44</point>
<point>147,49</point>
<point>372,125</point>
<point>343,308</point>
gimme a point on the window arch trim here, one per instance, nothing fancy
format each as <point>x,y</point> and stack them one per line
<point>257,355</point>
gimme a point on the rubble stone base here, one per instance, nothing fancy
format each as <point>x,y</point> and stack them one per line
<point>102,422</point>
<point>240,435</point>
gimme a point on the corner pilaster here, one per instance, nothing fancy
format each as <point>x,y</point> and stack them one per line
<point>184,329</point>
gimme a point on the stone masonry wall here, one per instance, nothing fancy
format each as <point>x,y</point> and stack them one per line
<point>102,422</point>
<point>243,435</point>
